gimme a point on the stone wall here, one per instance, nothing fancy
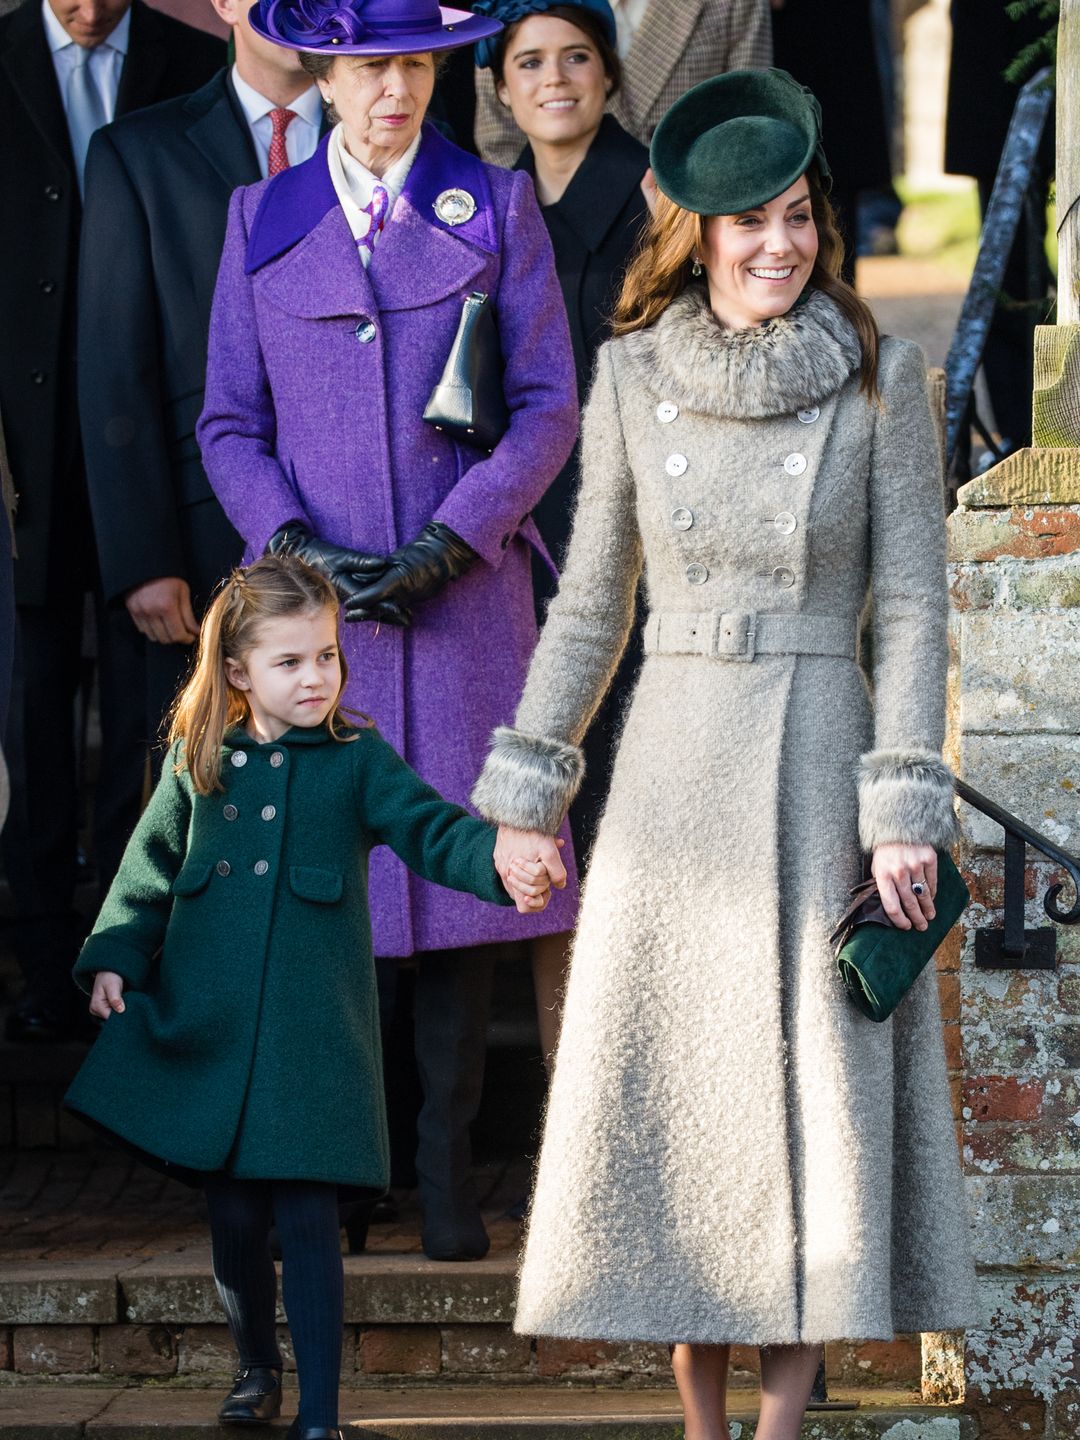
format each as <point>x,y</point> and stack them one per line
<point>1015,736</point>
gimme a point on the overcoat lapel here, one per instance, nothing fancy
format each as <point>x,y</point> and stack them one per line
<point>658,44</point>
<point>144,64</point>
<point>605,180</point>
<point>220,133</point>
<point>29,65</point>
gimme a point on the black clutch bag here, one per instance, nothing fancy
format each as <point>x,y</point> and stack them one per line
<point>878,963</point>
<point>468,403</point>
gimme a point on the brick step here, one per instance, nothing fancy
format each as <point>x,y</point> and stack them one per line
<point>406,1317</point>
<point>34,1412</point>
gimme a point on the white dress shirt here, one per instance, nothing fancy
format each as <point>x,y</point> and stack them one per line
<point>628,17</point>
<point>355,185</point>
<point>302,136</point>
<point>106,60</point>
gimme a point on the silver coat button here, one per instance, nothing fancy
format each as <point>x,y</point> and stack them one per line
<point>261,867</point>
<point>786,523</point>
<point>239,758</point>
<point>268,812</point>
<point>223,867</point>
<point>808,416</point>
<point>365,332</point>
<point>667,411</point>
<point>682,518</point>
<point>697,574</point>
<point>277,758</point>
<point>676,465</point>
<point>230,812</point>
<point>784,577</point>
<point>795,463</point>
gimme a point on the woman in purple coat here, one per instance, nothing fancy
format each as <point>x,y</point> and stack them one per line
<point>338,299</point>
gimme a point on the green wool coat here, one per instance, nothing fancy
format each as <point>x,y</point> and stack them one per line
<point>239,921</point>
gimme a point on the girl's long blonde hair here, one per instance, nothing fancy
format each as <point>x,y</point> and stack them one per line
<point>208,706</point>
<point>661,270</point>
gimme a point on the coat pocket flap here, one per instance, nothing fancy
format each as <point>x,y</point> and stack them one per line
<point>311,882</point>
<point>194,877</point>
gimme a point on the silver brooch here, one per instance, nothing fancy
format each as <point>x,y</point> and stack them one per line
<point>454,207</point>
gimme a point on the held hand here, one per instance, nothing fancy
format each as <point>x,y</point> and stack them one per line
<point>161,610</point>
<point>528,881</point>
<point>415,572</point>
<point>510,845</point>
<point>107,994</point>
<point>897,868</point>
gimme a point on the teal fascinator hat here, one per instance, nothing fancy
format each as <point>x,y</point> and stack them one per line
<point>509,12</point>
<point>737,141</point>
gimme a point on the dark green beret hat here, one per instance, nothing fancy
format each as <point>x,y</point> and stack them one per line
<point>737,141</point>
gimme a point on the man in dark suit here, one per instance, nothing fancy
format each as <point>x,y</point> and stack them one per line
<point>158,188</point>
<point>66,66</point>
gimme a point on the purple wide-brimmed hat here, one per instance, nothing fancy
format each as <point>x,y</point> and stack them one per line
<point>368,27</point>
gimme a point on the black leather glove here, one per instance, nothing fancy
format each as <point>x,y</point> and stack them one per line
<point>349,571</point>
<point>414,572</point>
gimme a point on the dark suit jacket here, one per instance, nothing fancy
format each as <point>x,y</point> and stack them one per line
<point>39,238</point>
<point>158,188</point>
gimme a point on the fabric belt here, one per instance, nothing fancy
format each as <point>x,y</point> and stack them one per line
<point>741,634</point>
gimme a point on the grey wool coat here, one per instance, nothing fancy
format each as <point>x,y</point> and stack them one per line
<point>731,1151</point>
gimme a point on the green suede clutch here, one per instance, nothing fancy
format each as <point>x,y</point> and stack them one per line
<point>879,963</point>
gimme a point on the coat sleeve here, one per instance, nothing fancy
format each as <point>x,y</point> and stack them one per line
<point>121,405</point>
<point>534,770</point>
<point>751,36</point>
<point>131,927</point>
<point>237,430</point>
<point>437,840</point>
<point>493,498</point>
<point>905,788</point>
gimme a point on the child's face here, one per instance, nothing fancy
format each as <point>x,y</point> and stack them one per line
<point>292,675</point>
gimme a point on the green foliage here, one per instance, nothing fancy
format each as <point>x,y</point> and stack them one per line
<point>1040,52</point>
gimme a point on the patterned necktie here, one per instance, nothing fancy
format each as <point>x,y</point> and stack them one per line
<point>376,208</point>
<point>279,156</point>
<point>85,108</point>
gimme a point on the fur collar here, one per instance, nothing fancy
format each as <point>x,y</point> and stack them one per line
<point>787,364</point>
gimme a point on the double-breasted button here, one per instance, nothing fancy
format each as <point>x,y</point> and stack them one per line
<point>682,518</point>
<point>786,523</point>
<point>261,867</point>
<point>239,758</point>
<point>667,411</point>
<point>795,463</point>
<point>276,758</point>
<point>223,867</point>
<point>268,812</point>
<point>697,574</point>
<point>52,192</point>
<point>365,330</point>
<point>807,416</point>
<point>230,812</point>
<point>676,464</point>
<point>784,577</point>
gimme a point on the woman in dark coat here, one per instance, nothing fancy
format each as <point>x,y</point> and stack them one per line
<point>555,66</point>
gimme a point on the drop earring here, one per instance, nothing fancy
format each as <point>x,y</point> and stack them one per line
<point>695,269</point>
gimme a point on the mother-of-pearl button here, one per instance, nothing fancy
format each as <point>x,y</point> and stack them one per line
<point>809,415</point>
<point>239,758</point>
<point>783,576</point>
<point>785,522</point>
<point>795,464</point>
<point>682,518</point>
<point>667,411</point>
<point>676,464</point>
<point>697,574</point>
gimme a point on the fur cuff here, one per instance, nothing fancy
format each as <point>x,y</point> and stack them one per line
<point>905,798</point>
<point>528,781</point>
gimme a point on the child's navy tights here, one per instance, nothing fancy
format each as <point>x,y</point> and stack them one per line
<point>312,1280</point>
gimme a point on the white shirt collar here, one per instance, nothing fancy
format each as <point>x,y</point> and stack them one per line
<point>355,183</point>
<point>59,39</point>
<point>307,106</point>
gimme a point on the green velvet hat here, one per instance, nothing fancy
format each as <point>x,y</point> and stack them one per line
<point>737,141</point>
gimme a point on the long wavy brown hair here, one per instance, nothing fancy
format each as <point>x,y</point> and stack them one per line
<point>274,587</point>
<point>661,270</point>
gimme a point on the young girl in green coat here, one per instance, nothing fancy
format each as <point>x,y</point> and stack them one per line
<point>232,961</point>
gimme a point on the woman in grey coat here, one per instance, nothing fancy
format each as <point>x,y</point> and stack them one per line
<point>732,1153</point>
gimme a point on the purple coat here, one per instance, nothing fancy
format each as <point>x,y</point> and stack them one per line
<point>305,420</point>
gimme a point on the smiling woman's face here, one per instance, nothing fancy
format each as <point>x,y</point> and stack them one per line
<point>759,262</point>
<point>382,101</point>
<point>554,80</point>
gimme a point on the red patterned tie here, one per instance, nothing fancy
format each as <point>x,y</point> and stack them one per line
<point>279,156</point>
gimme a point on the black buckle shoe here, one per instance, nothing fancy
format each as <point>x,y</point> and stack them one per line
<point>255,1398</point>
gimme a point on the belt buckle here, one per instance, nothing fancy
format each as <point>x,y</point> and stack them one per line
<point>733,635</point>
